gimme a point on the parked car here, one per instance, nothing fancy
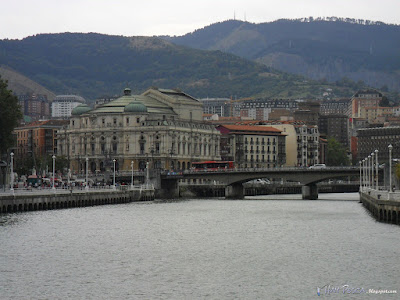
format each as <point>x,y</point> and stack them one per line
<point>257,182</point>
<point>318,166</point>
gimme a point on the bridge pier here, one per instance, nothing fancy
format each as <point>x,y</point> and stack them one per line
<point>234,191</point>
<point>310,191</point>
<point>169,189</point>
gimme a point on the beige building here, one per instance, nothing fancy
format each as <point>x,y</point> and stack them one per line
<point>376,114</point>
<point>163,128</point>
<point>363,98</point>
<point>302,143</point>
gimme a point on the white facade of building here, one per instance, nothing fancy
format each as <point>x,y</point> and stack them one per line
<point>63,105</point>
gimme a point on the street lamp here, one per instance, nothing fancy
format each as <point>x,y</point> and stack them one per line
<point>364,174</point>
<point>369,171</point>
<point>12,172</point>
<point>114,175</point>
<point>87,167</point>
<point>54,172</point>
<point>372,170</point>
<point>376,169</point>
<point>132,175</point>
<point>390,167</point>
<point>360,162</point>
<point>147,174</point>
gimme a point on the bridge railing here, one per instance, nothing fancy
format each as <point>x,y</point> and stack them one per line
<point>241,170</point>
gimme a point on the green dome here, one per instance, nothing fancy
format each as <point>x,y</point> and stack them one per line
<point>80,109</point>
<point>136,106</point>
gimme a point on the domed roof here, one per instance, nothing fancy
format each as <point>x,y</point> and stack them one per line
<point>80,109</point>
<point>136,106</point>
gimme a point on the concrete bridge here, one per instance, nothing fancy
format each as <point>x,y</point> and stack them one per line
<point>234,179</point>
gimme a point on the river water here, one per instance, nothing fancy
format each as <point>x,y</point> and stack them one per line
<point>264,247</point>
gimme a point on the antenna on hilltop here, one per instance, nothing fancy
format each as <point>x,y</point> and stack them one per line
<point>245,17</point>
<point>234,15</point>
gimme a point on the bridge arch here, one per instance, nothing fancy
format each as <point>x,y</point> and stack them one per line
<point>234,179</point>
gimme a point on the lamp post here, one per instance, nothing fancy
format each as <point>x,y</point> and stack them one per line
<point>132,175</point>
<point>114,175</point>
<point>376,169</point>
<point>87,169</point>
<point>12,172</point>
<point>369,171</point>
<point>147,174</point>
<point>54,172</point>
<point>390,167</point>
<point>372,170</point>
<point>360,162</point>
<point>364,173</point>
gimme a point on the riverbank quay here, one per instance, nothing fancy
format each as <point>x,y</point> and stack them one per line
<point>383,205</point>
<point>31,200</point>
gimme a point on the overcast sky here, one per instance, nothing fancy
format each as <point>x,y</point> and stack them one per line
<point>22,18</point>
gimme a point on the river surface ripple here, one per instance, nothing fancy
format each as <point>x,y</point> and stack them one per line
<point>264,247</point>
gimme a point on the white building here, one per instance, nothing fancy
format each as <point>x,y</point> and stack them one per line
<point>63,105</point>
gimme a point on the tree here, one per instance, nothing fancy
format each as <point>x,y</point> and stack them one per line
<point>10,114</point>
<point>384,102</point>
<point>397,171</point>
<point>337,154</point>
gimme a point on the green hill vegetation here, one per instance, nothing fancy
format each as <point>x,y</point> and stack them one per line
<point>330,48</point>
<point>92,65</point>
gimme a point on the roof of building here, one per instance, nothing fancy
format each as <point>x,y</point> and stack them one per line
<point>153,99</point>
<point>136,106</point>
<point>69,98</point>
<point>80,109</point>
<point>251,128</point>
<point>367,91</point>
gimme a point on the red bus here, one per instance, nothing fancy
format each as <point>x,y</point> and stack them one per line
<point>212,165</point>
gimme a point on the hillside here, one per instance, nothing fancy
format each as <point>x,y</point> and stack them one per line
<point>20,84</point>
<point>328,49</point>
<point>93,65</point>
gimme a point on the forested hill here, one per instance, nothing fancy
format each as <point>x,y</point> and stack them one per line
<point>93,65</point>
<point>330,48</point>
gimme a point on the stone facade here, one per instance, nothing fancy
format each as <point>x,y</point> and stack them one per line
<point>161,128</point>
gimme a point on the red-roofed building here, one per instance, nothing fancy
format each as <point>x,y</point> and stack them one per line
<point>252,146</point>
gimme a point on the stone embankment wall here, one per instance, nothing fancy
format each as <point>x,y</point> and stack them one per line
<point>44,201</point>
<point>384,206</point>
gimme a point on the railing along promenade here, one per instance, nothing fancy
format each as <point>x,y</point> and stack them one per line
<point>27,199</point>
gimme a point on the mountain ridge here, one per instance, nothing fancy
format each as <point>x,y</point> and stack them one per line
<point>93,64</point>
<point>326,49</point>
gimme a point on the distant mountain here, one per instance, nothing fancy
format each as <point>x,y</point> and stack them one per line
<point>93,65</point>
<point>20,84</point>
<point>330,48</point>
